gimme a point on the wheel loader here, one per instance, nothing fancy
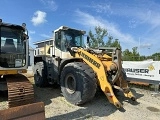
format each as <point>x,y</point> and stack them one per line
<point>13,63</point>
<point>79,69</point>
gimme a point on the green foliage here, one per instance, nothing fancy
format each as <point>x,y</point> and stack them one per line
<point>135,56</point>
<point>134,51</point>
<point>112,43</point>
<point>97,39</point>
<point>131,55</point>
<point>155,56</point>
<point>127,52</point>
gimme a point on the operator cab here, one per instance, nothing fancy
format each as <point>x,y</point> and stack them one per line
<point>13,45</point>
<point>66,37</point>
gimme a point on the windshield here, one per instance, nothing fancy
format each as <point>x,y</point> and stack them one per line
<point>73,37</point>
<point>12,47</point>
<point>11,40</point>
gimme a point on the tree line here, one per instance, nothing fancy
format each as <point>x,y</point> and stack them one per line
<point>97,40</point>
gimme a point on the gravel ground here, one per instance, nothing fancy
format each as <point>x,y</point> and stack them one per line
<point>147,107</point>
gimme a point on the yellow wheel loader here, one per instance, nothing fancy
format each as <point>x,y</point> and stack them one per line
<point>13,63</point>
<point>79,69</point>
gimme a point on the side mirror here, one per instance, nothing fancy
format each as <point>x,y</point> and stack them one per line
<point>88,39</point>
<point>88,42</point>
<point>25,37</point>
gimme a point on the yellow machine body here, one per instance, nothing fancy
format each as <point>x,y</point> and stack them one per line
<point>13,63</point>
<point>65,60</point>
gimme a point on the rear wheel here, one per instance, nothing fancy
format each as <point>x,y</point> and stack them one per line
<point>40,77</point>
<point>78,83</point>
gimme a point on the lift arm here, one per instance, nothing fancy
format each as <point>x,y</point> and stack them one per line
<point>99,69</point>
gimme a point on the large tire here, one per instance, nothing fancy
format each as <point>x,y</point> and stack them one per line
<point>40,77</point>
<point>78,83</point>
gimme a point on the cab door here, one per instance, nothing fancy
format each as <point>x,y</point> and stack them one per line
<point>58,51</point>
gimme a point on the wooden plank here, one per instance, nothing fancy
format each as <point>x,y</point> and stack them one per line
<point>139,83</point>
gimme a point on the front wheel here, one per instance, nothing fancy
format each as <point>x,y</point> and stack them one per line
<point>78,83</point>
<point>40,78</point>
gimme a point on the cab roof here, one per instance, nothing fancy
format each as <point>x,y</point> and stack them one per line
<point>68,28</point>
<point>11,25</point>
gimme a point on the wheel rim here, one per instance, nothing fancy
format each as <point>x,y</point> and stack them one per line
<point>70,83</point>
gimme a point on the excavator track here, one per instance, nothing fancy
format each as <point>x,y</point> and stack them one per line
<point>20,90</point>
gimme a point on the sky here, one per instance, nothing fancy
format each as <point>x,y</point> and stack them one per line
<point>136,23</point>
